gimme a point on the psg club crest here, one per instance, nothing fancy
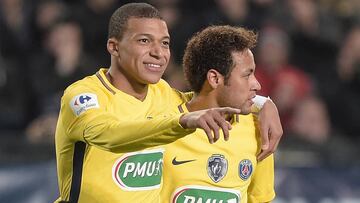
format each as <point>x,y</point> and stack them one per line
<point>245,169</point>
<point>217,167</point>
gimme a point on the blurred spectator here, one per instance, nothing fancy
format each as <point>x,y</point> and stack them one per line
<point>15,32</point>
<point>93,16</point>
<point>15,41</point>
<point>314,36</point>
<point>62,63</point>
<point>233,11</point>
<point>13,98</point>
<point>47,13</point>
<point>349,58</point>
<point>346,11</point>
<point>291,86</point>
<point>181,24</point>
<point>285,83</point>
<point>312,141</point>
<point>345,102</point>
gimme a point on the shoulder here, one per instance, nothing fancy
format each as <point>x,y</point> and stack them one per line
<point>249,121</point>
<point>89,83</point>
<point>163,89</point>
<point>87,90</point>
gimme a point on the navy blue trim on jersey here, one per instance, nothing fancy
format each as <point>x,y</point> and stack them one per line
<point>78,159</point>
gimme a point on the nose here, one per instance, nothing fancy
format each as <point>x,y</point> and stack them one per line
<point>255,84</point>
<point>156,51</point>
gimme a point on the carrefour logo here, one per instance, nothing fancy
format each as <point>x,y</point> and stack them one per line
<point>82,102</point>
<point>139,170</point>
<point>203,194</point>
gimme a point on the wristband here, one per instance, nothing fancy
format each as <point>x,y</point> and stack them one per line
<point>259,102</point>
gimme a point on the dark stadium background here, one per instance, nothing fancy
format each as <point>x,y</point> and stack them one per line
<point>308,62</point>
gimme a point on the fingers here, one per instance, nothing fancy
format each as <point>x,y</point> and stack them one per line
<point>272,145</point>
<point>265,141</point>
<point>228,110</point>
<point>263,154</point>
<point>211,121</point>
<point>215,128</point>
<point>208,134</point>
<point>264,131</point>
<point>270,129</point>
<point>214,122</point>
<point>225,113</point>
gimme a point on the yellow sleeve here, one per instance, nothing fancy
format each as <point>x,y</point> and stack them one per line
<point>99,127</point>
<point>261,188</point>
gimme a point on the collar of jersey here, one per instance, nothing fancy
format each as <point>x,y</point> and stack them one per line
<point>114,90</point>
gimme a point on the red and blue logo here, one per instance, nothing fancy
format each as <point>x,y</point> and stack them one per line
<point>245,169</point>
<point>82,102</point>
<point>82,99</point>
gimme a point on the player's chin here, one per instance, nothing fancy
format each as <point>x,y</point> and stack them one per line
<point>246,109</point>
<point>153,79</point>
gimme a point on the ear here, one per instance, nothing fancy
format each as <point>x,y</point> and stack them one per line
<point>112,46</point>
<point>214,78</point>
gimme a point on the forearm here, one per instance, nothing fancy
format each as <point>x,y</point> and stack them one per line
<point>115,135</point>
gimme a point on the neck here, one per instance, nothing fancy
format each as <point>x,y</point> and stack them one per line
<point>204,101</point>
<point>201,101</point>
<point>121,82</point>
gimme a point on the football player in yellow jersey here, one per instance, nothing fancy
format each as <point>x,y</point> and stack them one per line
<point>219,67</point>
<point>112,124</point>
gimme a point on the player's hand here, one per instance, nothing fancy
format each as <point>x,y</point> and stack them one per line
<point>270,129</point>
<point>211,121</point>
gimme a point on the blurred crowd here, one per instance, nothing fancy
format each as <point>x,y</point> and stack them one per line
<point>308,62</point>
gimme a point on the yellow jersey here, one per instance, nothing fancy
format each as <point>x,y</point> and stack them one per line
<point>108,143</point>
<point>226,171</point>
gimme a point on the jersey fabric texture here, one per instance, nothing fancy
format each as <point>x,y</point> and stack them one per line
<point>108,143</point>
<point>226,171</point>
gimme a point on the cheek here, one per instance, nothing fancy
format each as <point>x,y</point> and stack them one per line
<point>167,54</point>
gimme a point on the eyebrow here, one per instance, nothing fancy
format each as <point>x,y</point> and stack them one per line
<point>151,36</point>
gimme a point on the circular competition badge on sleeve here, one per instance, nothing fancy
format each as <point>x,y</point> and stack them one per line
<point>82,102</point>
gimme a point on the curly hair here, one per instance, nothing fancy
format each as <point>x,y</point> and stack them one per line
<point>212,48</point>
<point>119,19</point>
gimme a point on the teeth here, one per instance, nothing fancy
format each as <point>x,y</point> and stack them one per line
<point>153,65</point>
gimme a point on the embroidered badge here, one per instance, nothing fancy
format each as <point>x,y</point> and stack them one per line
<point>82,102</point>
<point>217,167</point>
<point>245,169</point>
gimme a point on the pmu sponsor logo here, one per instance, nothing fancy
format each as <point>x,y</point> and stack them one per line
<point>139,170</point>
<point>83,102</point>
<point>203,194</point>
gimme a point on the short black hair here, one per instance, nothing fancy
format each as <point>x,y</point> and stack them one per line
<point>119,19</point>
<point>212,49</point>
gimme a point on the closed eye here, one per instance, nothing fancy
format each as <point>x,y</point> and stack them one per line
<point>247,75</point>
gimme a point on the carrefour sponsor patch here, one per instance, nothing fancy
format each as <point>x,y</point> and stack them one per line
<point>203,194</point>
<point>245,169</point>
<point>139,170</point>
<point>82,102</point>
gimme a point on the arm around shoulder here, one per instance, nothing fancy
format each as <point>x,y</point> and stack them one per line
<point>85,116</point>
